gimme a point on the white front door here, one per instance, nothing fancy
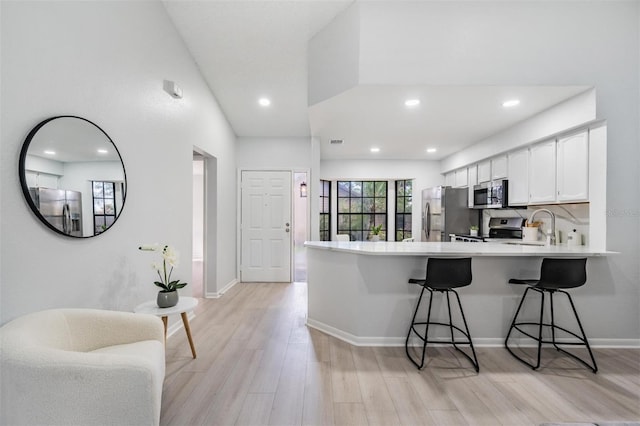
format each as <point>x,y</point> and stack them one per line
<point>266,226</point>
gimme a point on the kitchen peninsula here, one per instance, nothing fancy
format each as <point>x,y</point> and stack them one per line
<point>358,291</point>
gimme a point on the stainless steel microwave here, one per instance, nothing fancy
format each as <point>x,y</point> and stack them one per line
<point>491,195</point>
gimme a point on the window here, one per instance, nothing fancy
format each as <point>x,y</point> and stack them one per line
<point>104,205</point>
<point>403,209</point>
<point>325,210</point>
<point>362,205</point>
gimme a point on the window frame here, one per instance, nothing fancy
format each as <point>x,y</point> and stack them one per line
<point>363,207</point>
<point>103,215</point>
<point>325,201</point>
<point>400,226</point>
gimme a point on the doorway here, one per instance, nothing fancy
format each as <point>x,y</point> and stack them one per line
<point>199,191</point>
<point>300,225</point>
<point>265,226</point>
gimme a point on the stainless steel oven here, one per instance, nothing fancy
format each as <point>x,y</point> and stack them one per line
<point>491,195</point>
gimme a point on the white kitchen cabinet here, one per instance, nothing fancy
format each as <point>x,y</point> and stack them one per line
<point>472,172</point>
<point>499,167</point>
<point>542,173</point>
<point>450,179</point>
<point>461,179</point>
<point>518,175</point>
<point>573,168</point>
<point>484,171</point>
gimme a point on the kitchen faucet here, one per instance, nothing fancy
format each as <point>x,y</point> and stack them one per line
<point>551,234</point>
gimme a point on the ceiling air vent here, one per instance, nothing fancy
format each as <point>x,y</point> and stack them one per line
<point>337,141</point>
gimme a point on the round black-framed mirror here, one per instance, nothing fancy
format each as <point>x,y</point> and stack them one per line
<point>72,176</point>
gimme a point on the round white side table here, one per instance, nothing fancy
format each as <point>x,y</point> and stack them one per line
<point>185,304</point>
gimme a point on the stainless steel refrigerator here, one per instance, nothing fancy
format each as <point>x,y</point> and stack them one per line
<point>445,211</point>
<point>61,208</point>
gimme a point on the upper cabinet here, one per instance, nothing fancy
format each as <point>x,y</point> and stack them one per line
<point>542,173</point>
<point>499,167</point>
<point>472,172</point>
<point>461,179</point>
<point>518,175</point>
<point>484,171</point>
<point>549,172</point>
<point>450,179</point>
<point>573,168</point>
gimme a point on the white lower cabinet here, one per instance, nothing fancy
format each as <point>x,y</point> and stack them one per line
<point>573,168</point>
<point>542,173</point>
<point>518,176</point>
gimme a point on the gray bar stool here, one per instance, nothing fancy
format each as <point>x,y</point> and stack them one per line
<point>555,275</point>
<point>443,275</point>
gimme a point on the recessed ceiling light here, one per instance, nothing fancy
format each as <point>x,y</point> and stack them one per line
<point>431,150</point>
<point>375,149</point>
<point>264,102</point>
<point>102,151</point>
<point>49,152</point>
<point>412,102</point>
<point>511,103</point>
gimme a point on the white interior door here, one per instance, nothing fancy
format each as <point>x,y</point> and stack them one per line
<point>266,226</point>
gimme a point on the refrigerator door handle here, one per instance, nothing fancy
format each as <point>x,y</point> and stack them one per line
<point>427,226</point>
<point>66,219</point>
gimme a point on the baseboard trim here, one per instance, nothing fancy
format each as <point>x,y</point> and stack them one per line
<point>486,342</point>
<point>218,294</point>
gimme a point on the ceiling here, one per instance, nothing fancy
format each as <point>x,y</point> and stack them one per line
<point>70,139</point>
<point>252,49</point>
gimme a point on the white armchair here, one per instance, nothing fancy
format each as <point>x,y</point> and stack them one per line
<point>81,367</point>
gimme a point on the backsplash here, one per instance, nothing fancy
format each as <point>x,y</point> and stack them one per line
<point>568,218</point>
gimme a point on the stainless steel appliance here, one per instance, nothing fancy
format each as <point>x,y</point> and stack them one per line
<point>445,211</point>
<point>61,208</point>
<point>505,228</point>
<point>501,229</point>
<point>491,195</point>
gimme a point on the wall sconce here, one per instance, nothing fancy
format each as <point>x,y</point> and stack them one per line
<point>303,190</point>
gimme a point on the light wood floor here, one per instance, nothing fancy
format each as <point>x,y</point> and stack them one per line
<point>259,364</point>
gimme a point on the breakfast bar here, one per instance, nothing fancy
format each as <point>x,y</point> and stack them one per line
<point>359,291</point>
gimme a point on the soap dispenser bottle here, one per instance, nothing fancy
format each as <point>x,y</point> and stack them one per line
<point>573,239</point>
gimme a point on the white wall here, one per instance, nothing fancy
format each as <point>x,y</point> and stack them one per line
<point>274,153</point>
<point>425,174</point>
<point>106,61</point>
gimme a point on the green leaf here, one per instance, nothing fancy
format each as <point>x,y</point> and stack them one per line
<point>161,285</point>
<point>181,285</point>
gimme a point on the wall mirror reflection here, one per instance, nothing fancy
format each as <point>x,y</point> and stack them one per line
<point>72,176</point>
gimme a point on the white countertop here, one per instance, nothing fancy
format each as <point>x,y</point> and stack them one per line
<point>383,248</point>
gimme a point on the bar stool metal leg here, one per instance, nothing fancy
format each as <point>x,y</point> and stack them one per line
<point>514,325</point>
<point>594,366</point>
<point>442,276</point>
<point>467,333</point>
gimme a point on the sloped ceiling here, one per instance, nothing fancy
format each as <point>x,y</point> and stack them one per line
<point>251,49</point>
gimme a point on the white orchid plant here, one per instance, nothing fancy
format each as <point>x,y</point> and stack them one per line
<point>165,268</point>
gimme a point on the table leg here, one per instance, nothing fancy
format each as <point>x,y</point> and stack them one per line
<point>185,321</point>
<point>164,321</point>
